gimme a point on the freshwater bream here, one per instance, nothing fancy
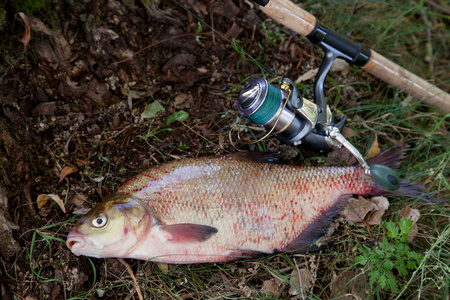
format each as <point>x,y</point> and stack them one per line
<point>220,209</point>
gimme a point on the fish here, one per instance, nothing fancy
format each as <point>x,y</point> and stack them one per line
<point>223,208</point>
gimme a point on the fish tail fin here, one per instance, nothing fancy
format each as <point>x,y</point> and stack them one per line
<point>392,159</point>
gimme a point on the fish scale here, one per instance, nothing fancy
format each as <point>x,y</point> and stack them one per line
<point>259,207</point>
<point>222,208</point>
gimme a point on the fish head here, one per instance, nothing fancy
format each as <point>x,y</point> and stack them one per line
<point>111,229</point>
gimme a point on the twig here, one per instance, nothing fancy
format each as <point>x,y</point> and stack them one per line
<point>428,46</point>
<point>310,55</point>
<point>17,295</point>
<point>198,134</point>
<point>136,284</point>
<point>157,43</point>
<point>439,7</point>
<point>117,134</point>
<point>7,70</point>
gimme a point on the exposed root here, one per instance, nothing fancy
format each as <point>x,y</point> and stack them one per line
<point>136,283</point>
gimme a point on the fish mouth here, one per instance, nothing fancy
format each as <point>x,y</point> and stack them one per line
<point>75,242</point>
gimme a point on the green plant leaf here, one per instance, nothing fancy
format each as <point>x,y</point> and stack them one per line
<point>392,230</point>
<point>361,259</point>
<point>151,110</point>
<point>388,265</point>
<point>178,116</point>
<point>405,228</point>
<point>374,276</point>
<point>382,281</point>
<point>411,265</point>
<point>393,284</point>
<point>405,225</point>
<point>401,269</point>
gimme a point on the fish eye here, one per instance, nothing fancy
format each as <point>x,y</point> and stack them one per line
<point>99,220</point>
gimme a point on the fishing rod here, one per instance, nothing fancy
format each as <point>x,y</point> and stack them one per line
<point>305,24</point>
<point>295,120</point>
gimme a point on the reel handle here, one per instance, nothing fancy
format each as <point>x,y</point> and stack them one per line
<point>383,175</point>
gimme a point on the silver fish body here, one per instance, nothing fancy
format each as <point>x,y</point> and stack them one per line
<point>217,209</point>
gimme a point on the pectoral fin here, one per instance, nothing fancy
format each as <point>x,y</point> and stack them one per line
<point>188,233</point>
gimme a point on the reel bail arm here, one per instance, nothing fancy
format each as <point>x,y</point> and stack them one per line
<point>383,175</point>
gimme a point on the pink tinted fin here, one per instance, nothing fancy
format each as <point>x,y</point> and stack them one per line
<point>390,158</point>
<point>305,240</point>
<point>243,254</point>
<point>262,157</point>
<point>189,233</point>
<point>407,190</point>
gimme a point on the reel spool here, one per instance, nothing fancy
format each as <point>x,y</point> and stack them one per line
<point>276,108</point>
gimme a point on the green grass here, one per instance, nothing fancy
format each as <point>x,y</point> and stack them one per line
<point>29,7</point>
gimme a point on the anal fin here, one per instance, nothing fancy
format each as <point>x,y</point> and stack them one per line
<point>306,239</point>
<point>242,254</point>
<point>188,233</point>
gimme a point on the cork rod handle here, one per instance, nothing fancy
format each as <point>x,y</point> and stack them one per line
<point>291,16</point>
<point>302,22</point>
<point>401,78</point>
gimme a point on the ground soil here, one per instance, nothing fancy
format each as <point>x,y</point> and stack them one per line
<point>70,119</point>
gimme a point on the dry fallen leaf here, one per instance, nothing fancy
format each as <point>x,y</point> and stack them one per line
<point>413,215</point>
<point>27,33</point>
<point>8,244</point>
<point>382,204</point>
<point>81,210</point>
<point>340,65</point>
<point>301,281</point>
<point>58,201</point>
<point>66,171</point>
<point>183,101</point>
<point>357,210</point>
<point>374,150</point>
<point>350,285</point>
<point>362,212</point>
<point>163,267</point>
<point>134,94</point>
<point>42,199</point>
<point>272,288</point>
<point>307,76</point>
<point>79,200</point>
<point>59,43</point>
<point>347,132</point>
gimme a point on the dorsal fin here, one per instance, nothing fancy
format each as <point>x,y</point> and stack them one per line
<point>390,158</point>
<point>262,157</point>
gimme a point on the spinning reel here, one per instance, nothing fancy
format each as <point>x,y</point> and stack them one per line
<point>295,120</point>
